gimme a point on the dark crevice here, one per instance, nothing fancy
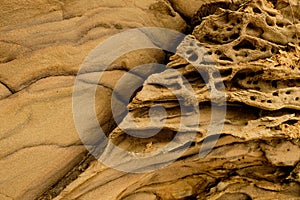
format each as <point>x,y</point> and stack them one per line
<point>206,10</point>
<point>187,20</point>
<point>99,84</point>
<point>244,44</point>
<point>40,145</point>
<point>37,79</point>
<point>72,175</point>
<point>7,87</point>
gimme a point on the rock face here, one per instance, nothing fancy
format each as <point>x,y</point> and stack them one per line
<point>231,91</point>
<point>42,47</point>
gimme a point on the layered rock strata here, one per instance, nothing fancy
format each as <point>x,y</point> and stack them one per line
<point>251,59</point>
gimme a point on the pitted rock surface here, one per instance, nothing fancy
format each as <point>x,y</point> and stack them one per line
<point>253,31</point>
<point>249,60</point>
<point>254,45</point>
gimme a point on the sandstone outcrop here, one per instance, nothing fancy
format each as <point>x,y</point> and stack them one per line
<point>43,44</point>
<point>255,48</point>
<point>237,70</point>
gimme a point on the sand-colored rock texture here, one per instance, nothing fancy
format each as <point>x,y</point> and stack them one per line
<point>250,62</point>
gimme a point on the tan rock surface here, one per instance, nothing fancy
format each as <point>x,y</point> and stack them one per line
<point>42,46</point>
<point>257,154</point>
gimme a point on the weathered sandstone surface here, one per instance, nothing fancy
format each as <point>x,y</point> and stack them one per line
<point>246,75</point>
<point>43,44</point>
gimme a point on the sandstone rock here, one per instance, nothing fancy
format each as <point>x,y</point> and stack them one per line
<point>221,121</point>
<point>244,52</point>
<point>187,8</point>
<point>4,91</point>
<point>42,47</point>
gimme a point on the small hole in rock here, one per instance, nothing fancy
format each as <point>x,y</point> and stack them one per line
<point>225,39</point>
<point>274,84</point>
<point>189,51</point>
<point>216,74</point>
<point>251,74</point>
<point>234,36</point>
<point>291,84</point>
<point>263,101</point>
<point>193,57</point>
<point>257,88</point>
<point>256,10</point>
<point>254,30</point>
<point>292,67</point>
<point>238,21</point>
<point>280,24</point>
<point>253,98</point>
<point>218,52</point>
<point>244,44</point>
<point>208,39</point>
<point>251,26</point>
<point>269,101</point>
<point>249,82</point>
<point>229,29</point>
<point>264,49</point>
<point>215,28</point>
<point>288,92</point>
<point>226,58</point>
<point>226,72</point>
<point>255,82</point>
<point>294,36</point>
<point>220,86</point>
<point>273,50</point>
<point>242,76</point>
<point>277,65</point>
<point>275,94</point>
<point>297,99</point>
